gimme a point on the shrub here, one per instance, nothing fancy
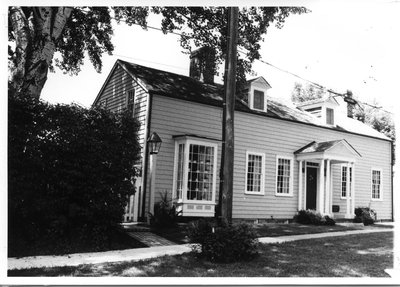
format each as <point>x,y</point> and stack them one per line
<point>70,173</point>
<point>224,242</point>
<point>165,214</point>
<point>312,217</point>
<point>365,215</point>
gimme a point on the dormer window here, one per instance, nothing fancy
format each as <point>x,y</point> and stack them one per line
<point>330,116</point>
<point>256,91</point>
<point>258,100</point>
<point>324,108</point>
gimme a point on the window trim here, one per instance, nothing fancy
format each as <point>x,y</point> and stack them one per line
<point>341,181</point>
<point>187,142</point>
<point>134,100</point>
<point>333,116</point>
<point>251,98</point>
<point>291,178</point>
<point>380,184</point>
<point>262,183</point>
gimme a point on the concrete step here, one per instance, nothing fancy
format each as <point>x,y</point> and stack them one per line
<point>150,239</point>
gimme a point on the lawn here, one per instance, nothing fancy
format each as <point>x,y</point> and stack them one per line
<point>365,255</point>
<point>178,234</point>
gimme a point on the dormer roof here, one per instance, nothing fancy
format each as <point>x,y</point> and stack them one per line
<point>324,100</point>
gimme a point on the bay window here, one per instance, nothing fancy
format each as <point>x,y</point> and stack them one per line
<point>195,175</point>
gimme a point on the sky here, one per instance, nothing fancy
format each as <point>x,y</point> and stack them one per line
<point>351,46</point>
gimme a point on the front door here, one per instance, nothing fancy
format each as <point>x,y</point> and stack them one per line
<point>311,199</point>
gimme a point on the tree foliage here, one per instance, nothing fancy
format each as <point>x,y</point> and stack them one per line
<point>37,33</point>
<point>70,172</point>
<point>309,92</point>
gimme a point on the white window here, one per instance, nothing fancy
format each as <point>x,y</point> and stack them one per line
<point>130,101</point>
<point>195,171</point>
<point>284,176</point>
<point>344,181</point>
<point>376,180</point>
<point>258,99</point>
<point>330,116</point>
<point>255,172</point>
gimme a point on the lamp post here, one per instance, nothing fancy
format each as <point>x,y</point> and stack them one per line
<point>154,145</point>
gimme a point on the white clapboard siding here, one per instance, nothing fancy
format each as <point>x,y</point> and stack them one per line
<point>271,137</point>
<point>115,93</point>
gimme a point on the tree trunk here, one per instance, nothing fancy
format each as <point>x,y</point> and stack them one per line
<point>35,40</point>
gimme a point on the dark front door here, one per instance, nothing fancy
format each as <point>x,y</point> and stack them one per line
<point>311,200</point>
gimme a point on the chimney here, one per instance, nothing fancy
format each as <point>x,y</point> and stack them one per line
<point>351,102</point>
<point>202,65</point>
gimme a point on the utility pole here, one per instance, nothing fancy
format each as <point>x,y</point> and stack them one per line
<point>226,194</point>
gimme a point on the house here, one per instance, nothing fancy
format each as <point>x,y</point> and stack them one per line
<point>287,158</point>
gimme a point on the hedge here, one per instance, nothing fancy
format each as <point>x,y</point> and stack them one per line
<point>70,171</point>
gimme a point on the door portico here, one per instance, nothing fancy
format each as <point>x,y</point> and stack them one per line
<point>315,175</point>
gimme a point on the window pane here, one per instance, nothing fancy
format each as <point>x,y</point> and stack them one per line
<point>376,184</point>
<point>330,116</point>
<point>283,176</point>
<point>200,172</point>
<point>179,177</point>
<point>254,173</point>
<point>258,100</point>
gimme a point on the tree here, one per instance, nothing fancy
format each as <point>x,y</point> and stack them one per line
<point>309,92</point>
<point>36,34</point>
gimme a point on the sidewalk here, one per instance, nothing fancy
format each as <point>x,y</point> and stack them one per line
<point>150,252</point>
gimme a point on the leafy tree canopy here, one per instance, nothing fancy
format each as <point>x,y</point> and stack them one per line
<point>309,92</point>
<point>37,33</point>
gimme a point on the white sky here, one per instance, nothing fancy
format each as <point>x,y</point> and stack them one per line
<point>341,47</point>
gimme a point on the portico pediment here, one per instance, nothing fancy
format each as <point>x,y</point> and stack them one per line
<point>337,151</point>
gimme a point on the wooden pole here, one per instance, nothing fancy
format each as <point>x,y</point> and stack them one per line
<point>228,119</point>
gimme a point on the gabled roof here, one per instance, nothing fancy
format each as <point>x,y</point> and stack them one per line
<point>315,147</point>
<point>336,150</point>
<point>186,88</point>
<point>325,99</point>
<point>260,80</point>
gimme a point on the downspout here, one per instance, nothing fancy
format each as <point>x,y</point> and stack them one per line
<point>146,156</point>
<point>391,176</point>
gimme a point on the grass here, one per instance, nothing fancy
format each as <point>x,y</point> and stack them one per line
<point>364,255</point>
<point>178,234</point>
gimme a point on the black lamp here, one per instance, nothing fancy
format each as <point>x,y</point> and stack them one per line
<point>154,142</point>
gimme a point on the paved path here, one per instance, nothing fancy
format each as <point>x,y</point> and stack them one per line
<point>150,239</point>
<point>151,252</point>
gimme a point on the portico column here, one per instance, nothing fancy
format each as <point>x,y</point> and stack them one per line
<point>348,214</point>
<point>321,187</point>
<point>300,204</point>
<point>327,186</point>
<point>353,190</point>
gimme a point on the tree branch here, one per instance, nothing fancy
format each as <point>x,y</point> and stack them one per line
<point>22,37</point>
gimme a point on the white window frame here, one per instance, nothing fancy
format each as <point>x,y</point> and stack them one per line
<point>341,181</point>
<point>262,183</point>
<point>187,142</point>
<point>333,116</point>
<point>380,184</point>
<point>290,194</point>
<point>251,98</point>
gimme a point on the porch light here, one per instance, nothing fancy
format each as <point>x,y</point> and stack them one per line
<point>154,142</point>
